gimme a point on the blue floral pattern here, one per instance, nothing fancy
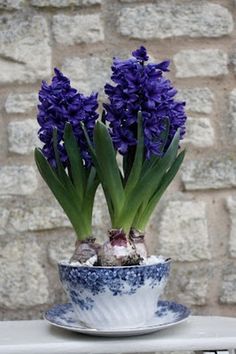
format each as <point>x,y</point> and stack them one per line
<point>118,281</point>
<point>84,304</point>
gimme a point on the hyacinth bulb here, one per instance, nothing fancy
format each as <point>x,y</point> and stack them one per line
<point>118,250</point>
<point>85,250</point>
<point>138,241</point>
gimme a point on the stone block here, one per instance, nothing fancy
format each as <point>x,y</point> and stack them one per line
<point>168,19</point>
<point>23,282</point>
<point>22,136</point>
<point>183,232</point>
<point>199,132</point>
<point>61,249</point>
<point>64,3</point>
<point>209,174</point>
<point>25,54</point>
<point>37,219</point>
<point>198,100</point>
<point>78,29</point>
<point>189,284</point>
<point>17,180</point>
<point>228,287</point>
<point>21,102</point>
<point>200,62</point>
<point>88,75</point>
<point>11,4</point>
<point>231,206</point>
<point>4,215</point>
<point>232,115</point>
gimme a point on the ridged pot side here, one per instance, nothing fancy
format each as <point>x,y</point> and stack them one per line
<point>114,297</point>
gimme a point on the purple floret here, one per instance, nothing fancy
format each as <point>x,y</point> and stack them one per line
<point>142,87</point>
<point>140,54</point>
<point>59,104</point>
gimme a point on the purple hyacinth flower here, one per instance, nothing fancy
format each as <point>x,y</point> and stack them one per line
<point>140,54</point>
<point>59,104</point>
<point>140,86</point>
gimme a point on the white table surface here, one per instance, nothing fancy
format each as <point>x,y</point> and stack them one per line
<point>38,337</point>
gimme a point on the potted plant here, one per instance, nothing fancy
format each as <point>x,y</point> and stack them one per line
<point>116,284</point>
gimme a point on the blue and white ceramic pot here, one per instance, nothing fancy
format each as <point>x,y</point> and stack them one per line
<point>114,297</point>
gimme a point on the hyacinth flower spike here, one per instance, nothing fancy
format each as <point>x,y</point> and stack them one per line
<point>64,162</point>
<point>144,123</point>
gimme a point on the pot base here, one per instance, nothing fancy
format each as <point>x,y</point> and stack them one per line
<point>168,314</point>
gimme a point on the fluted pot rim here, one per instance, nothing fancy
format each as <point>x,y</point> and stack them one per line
<point>65,264</point>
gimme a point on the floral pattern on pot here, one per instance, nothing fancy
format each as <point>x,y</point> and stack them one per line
<point>119,281</point>
<point>117,295</point>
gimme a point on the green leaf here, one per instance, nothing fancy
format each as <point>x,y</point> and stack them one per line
<point>128,160</point>
<point>154,159</point>
<point>60,168</point>
<point>48,174</point>
<point>148,184</point>
<point>108,171</point>
<point>76,163</point>
<point>92,184</point>
<point>138,159</point>
<point>157,171</point>
<point>166,180</point>
<point>148,164</point>
<point>165,133</point>
<point>166,159</point>
<point>66,197</point>
<point>103,118</point>
<point>99,172</point>
<point>65,179</point>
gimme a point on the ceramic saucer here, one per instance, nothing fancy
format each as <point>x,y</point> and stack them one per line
<point>168,314</point>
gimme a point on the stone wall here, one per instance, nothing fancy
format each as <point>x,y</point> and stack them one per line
<point>195,223</point>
